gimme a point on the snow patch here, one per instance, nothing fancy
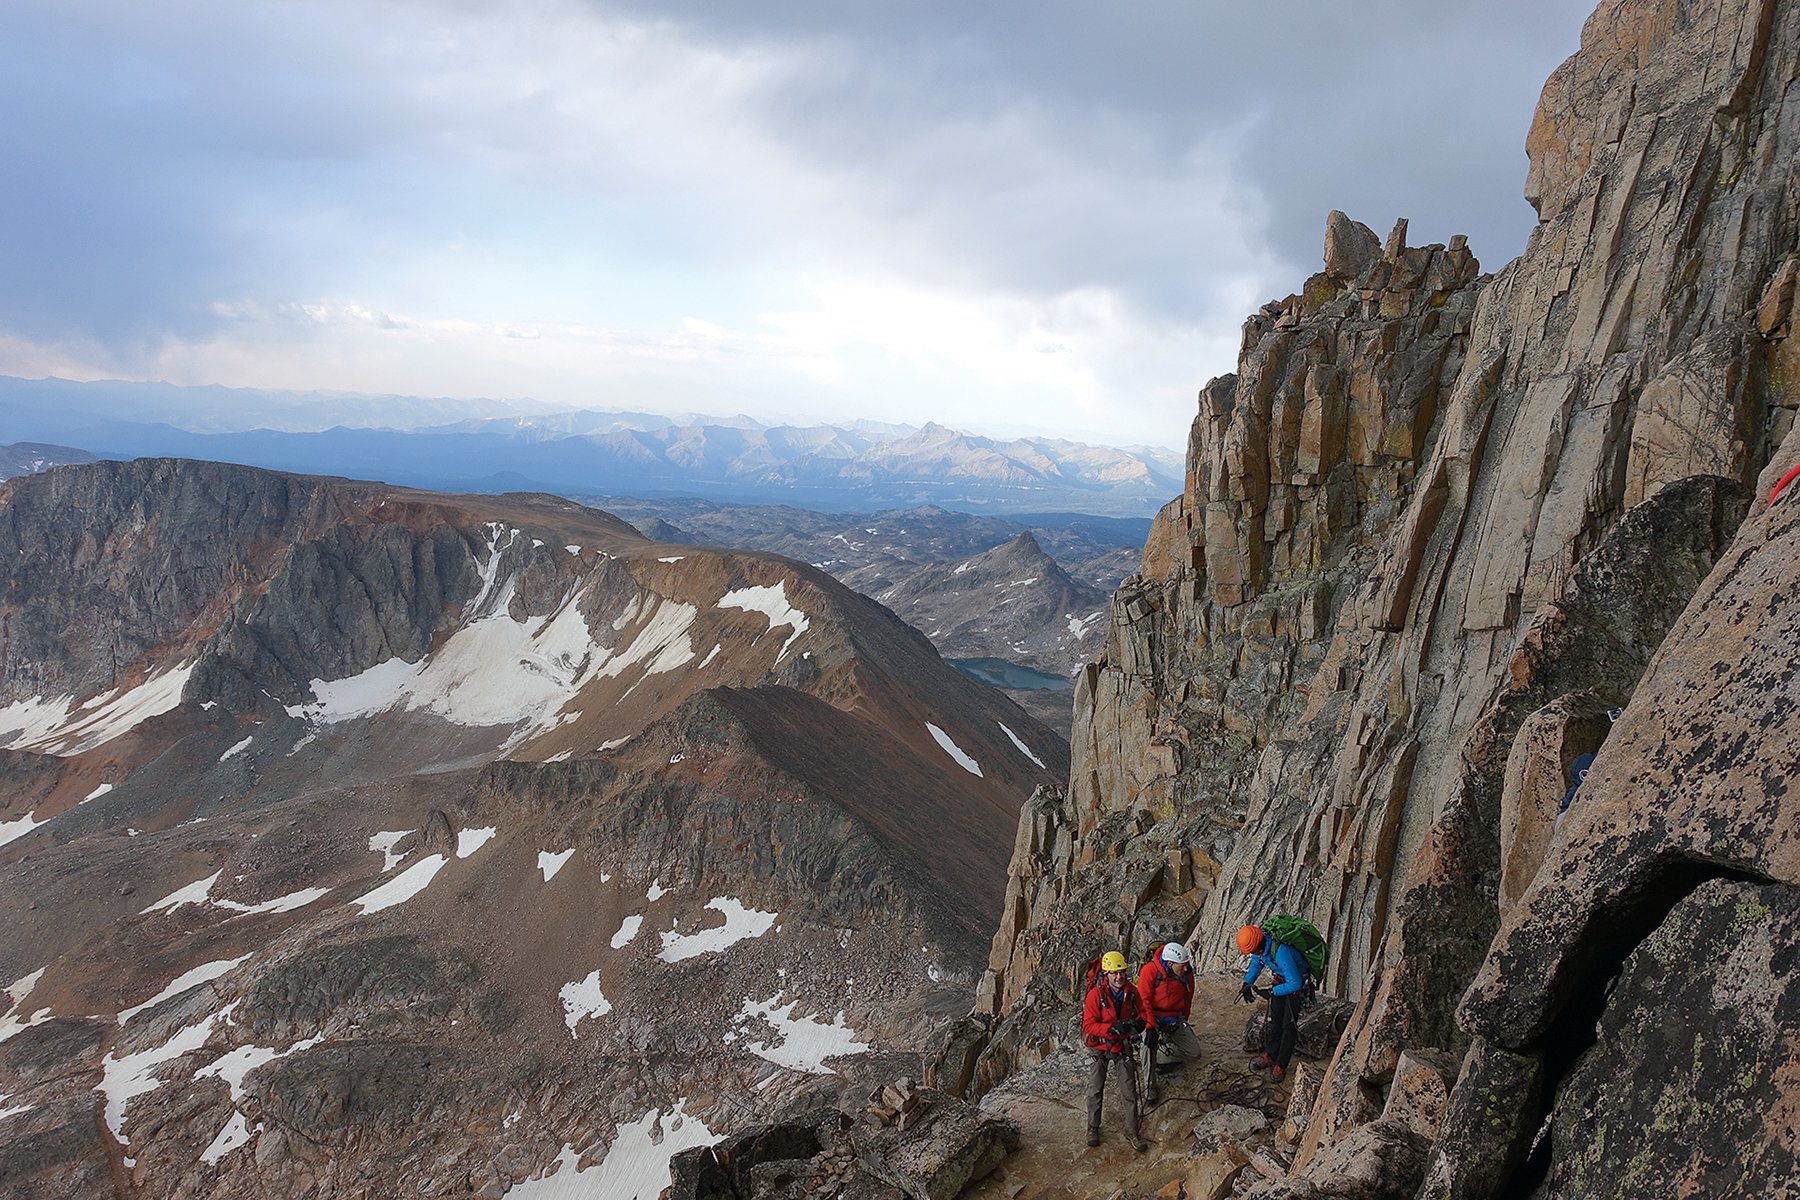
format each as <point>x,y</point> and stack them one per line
<point>468,841</point>
<point>1023,748</point>
<point>636,1166</point>
<point>233,1068</point>
<point>583,999</point>
<point>740,923</point>
<point>628,929</point>
<point>12,1023</point>
<point>235,1134</point>
<point>64,728</point>
<point>122,1079</point>
<point>97,792</point>
<point>204,973</point>
<point>279,904</point>
<point>1079,625</point>
<point>550,863</point>
<point>657,891</point>
<point>236,1065</point>
<point>21,987</point>
<point>499,672</point>
<point>402,887</point>
<point>18,828</point>
<point>383,843</point>
<point>954,751</point>
<point>772,602</point>
<point>193,893</point>
<point>237,749</point>
<point>802,1044</point>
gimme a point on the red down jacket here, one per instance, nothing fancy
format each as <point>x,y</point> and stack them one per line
<point>1102,1008</point>
<point>1167,992</point>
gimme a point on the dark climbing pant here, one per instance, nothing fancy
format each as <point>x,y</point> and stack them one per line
<point>1283,1028</point>
<point>1124,1070</point>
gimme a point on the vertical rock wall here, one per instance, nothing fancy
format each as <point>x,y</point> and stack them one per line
<point>1405,539</point>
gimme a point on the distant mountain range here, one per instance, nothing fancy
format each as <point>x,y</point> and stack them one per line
<point>872,550</point>
<point>440,444</point>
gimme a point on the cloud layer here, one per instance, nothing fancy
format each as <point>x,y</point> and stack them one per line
<point>1047,217</point>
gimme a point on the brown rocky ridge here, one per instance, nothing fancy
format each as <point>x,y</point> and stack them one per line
<point>361,841</point>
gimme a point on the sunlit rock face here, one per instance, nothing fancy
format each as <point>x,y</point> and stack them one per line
<point>1439,529</point>
<point>358,840</point>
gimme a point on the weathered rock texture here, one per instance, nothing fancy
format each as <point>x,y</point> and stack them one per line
<point>1435,527</point>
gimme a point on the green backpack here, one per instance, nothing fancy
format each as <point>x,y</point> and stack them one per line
<point>1303,936</point>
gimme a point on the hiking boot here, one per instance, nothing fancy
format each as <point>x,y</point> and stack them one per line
<point>1093,1137</point>
<point>1140,1145</point>
<point>1261,1062</point>
<point>1276,1073</point>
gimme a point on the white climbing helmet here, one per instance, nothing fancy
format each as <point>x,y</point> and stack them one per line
<point>1176,953</point>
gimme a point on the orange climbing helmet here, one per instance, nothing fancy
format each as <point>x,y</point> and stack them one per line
<point>1249,939</point>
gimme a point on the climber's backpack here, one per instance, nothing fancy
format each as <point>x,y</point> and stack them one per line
<point>1303,936</point>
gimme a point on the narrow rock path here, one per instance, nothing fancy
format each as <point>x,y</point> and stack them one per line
<point>1054,1161</point>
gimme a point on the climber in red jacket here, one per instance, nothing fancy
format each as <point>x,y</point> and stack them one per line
<point>1166,988</point>
<point>1111,1018</point>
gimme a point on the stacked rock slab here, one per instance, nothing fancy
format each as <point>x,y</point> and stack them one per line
<point>1319,680</point>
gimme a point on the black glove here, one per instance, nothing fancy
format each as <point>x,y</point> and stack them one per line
<point>1247,994</point>
<point>1266,993</point>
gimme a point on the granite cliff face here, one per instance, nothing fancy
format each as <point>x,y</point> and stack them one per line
<point>1436,528</point>
<point>359,841</point>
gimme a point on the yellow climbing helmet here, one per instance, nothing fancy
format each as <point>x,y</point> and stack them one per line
<point>1112,960</point>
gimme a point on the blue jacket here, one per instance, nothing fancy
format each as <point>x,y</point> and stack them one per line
<point>1578,771</point>
<point>1281,959</point>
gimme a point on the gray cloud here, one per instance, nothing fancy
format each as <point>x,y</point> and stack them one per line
<point>174,170</point>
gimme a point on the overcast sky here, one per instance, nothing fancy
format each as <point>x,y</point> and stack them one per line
<point>1048,217</point>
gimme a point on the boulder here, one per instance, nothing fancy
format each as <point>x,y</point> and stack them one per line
<point>952,1068</point>
<point>1421,1090</point>
<point>756,1163</point>
<point>1229,1122</point>
<point>1350,246</point>
<point>1383,1160</point>
<point>1302,1094</point>
<point>950,1146</point>
<point>1213,1169</point>
<point>1689,1088</point>
<point>696,1175</point>
<point>1488,1127</point>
